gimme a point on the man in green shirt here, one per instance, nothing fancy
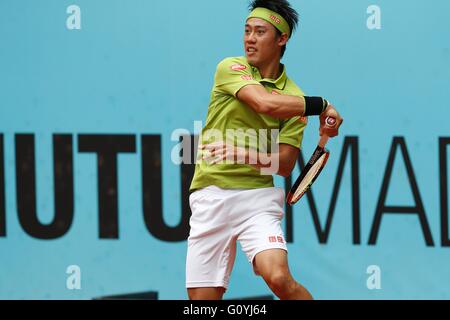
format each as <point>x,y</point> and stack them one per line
<point>254,128</point>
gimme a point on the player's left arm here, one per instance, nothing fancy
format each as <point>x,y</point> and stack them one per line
<point>288,157</point>
<point>219,152</point>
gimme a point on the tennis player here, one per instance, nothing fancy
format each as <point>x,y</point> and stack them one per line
<point>236,202</point>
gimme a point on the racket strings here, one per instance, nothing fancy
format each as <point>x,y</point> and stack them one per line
<point>309,178</point>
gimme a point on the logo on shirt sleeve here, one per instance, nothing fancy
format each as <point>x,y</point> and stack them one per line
<point>246,77</point>
<point>303,120</point>
<point>238,67</point>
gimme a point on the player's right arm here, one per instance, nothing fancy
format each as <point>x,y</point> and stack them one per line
<point>274,105</point>
<point>233,77</point>
<point>285,106</point>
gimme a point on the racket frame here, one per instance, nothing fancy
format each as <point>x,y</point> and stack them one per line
<point>317,154</point>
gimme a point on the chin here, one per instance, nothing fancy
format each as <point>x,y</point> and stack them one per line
<point>252,61</point>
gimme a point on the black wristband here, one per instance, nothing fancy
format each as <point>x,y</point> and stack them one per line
<point>314,106</point>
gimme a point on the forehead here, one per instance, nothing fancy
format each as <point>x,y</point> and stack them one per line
<point>257,22</point>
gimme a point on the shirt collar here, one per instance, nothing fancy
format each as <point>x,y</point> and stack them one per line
<point>279,83</point>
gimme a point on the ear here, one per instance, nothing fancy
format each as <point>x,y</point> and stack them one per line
<point>283,39</point>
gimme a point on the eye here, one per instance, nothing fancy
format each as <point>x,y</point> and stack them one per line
<point>260,32</point>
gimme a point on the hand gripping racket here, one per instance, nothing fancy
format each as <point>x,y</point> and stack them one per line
<point>312,169</point>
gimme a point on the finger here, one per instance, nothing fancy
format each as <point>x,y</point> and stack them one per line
<point>217,159</point>
<point>217,151</point>
<point>210,147</point>
<point>207,154</point>
<point>207,147</point>
<point>331,132</point>
<point>220,150</point>
<point>334,133</point>
<point>215,145</point>
<point>212,159</point>
<point>207,158</point>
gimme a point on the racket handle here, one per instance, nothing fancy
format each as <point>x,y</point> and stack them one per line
<point>329,122</point>
<point>323,140</point>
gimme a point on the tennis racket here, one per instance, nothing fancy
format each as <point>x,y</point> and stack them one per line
<point>312,169</point>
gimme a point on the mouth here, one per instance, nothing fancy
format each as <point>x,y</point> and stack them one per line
<point>251,50</point>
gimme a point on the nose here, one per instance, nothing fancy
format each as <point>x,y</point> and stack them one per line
<point>250,38</point>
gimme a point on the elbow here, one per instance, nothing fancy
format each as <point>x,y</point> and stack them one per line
<point>284,172</point>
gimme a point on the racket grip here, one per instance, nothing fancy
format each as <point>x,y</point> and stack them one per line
<point>323,140</point>
<point>329,122</point>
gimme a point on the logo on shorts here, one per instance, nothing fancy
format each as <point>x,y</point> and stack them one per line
<point>276,239</point>
<point>246,77</point>
<point>238,67</point>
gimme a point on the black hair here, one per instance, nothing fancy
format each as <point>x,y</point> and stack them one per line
<point>283,8</point>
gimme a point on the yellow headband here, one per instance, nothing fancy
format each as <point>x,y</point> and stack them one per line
<point>273,18</point>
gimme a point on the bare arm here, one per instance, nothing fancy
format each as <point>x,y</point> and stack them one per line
<point>220,152</point>
<point>287,156</point>
<point>275,105</point>
<point>285,106</point>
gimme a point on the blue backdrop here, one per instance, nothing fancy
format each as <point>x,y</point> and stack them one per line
<point>146,68</point>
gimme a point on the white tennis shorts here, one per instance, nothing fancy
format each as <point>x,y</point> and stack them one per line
<point>222,216</point>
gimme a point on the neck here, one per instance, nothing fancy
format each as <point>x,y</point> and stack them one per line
<point>272,70</point>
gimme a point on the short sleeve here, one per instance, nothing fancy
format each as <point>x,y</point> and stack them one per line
<point>291,131</point>
<point>232,74</point>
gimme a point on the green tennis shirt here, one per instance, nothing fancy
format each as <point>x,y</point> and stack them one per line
<point>226,113</point>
